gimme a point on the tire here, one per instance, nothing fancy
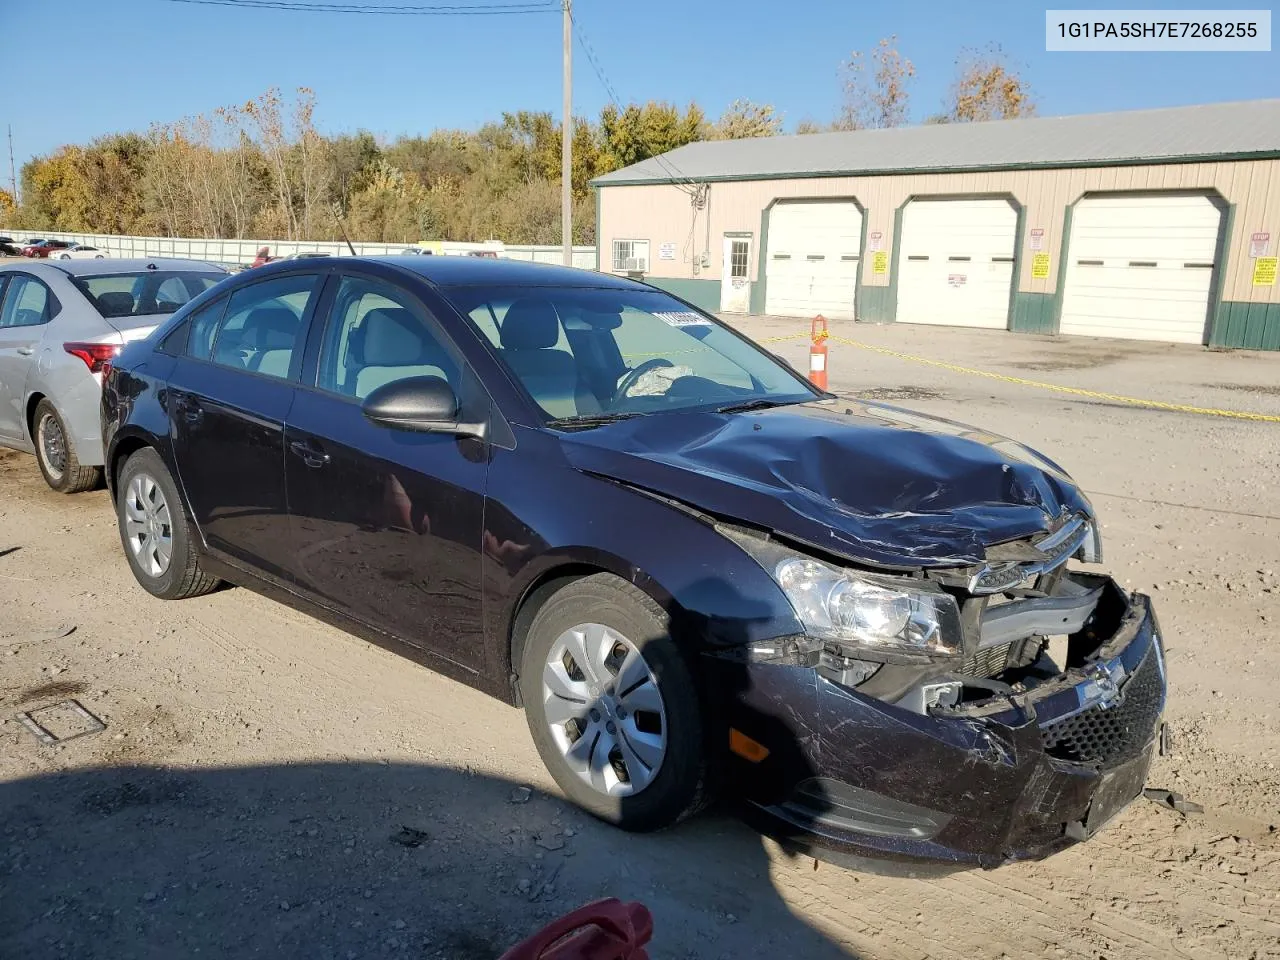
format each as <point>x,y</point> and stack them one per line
<point>147,494</point>
<point>680,783</point>
<point>56,454</point>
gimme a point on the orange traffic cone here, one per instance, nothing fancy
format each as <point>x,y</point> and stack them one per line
<point>818,352</point>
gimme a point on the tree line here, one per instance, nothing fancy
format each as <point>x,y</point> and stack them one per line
<point>262,169</point>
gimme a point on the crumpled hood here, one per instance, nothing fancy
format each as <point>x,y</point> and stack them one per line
<point>869,481</point>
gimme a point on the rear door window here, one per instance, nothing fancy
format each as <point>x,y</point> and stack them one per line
<point>262,330</point>
<point>26,303</point>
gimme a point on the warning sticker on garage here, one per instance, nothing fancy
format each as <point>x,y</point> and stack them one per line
<point>876,239</point>
<point>1037,239</point>
<point>685,319</point>
<point>1264,271</point>
<point>1040,266</point>
<point>1260,244</point>
<point>667,251</point>
<point>957,279</point>
<point>880,262</point>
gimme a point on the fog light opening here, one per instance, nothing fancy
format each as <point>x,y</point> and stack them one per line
<point>745,747</point>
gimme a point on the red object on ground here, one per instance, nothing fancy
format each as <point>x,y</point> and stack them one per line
<point>604,930</point>
<point>818,352</point>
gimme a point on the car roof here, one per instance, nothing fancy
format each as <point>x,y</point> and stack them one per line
<point>463,271</point>
<point>93,268</point>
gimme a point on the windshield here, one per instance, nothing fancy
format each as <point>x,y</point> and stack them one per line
<point>145,293</point>
<point>586,352</point>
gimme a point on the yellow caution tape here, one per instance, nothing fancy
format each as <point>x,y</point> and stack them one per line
<point>1054,387</point>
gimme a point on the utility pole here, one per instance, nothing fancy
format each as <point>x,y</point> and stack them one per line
<point>566,140</point>
<point>13,177</point>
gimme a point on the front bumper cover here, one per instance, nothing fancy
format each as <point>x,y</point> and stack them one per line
<point>852,778</point>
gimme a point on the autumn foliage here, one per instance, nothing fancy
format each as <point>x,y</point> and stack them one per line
<point>262,169</point>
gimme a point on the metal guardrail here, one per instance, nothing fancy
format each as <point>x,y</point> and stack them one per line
<point>238,252</point>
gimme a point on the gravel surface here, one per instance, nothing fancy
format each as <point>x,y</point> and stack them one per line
<point>269,786</point>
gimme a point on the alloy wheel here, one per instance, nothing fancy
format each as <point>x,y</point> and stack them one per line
<point>147,525</point>
<point>53,445</point>
<point>604,709</point>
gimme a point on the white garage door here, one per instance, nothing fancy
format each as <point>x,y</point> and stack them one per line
<point>1141,267</point>
<point>956,262</point>
<point>811,266</point>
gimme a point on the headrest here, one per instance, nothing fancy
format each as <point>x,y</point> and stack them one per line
<point>530,324</point>
<point>117,303</point>
<point>273,328</point>
<point>391,337</point>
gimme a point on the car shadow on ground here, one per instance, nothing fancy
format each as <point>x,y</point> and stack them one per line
<point>357,860</point>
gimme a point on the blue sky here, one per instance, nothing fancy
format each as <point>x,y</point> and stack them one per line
<point>119,65</point>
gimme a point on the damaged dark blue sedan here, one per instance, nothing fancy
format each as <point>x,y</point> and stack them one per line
<point>700,576</point>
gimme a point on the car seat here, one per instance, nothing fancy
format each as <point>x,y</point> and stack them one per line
<point>530,332</point>
<point>392,344</point>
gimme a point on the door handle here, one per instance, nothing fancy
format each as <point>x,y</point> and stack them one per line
<point>310,453</point>
<point>25,351</point>
<point>192,412</point>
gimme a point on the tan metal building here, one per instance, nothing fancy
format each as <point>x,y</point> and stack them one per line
<point>1152,225</point>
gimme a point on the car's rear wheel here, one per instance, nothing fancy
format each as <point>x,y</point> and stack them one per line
<point>56,453</point>
<point>613,706</point>
<point>157,537</point>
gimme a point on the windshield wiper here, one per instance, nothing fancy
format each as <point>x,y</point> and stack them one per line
<point>759,403</point>
<point>588,420</point>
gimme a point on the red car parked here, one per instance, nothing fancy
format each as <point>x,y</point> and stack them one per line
<point>40,249</point>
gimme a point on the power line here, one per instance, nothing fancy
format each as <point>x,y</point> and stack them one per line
<point>383,9</point>
<point>688,186</point>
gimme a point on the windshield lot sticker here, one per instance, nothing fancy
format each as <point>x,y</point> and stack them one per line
<point>685,319</point>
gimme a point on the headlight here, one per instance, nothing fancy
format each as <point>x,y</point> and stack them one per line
<point>870,612</point>
<point>870,616</point>
<point>1091,550</point>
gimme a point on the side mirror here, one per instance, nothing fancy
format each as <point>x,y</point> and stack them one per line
<point>420,404</point>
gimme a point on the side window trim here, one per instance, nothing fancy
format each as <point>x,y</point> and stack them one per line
<point>316,329</point>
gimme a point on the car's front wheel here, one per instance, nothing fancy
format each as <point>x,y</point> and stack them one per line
<point>56,454</point>
<point>613,705</point>
<point>157,537</point>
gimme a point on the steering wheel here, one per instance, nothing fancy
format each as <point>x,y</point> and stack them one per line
<point>629,379</point>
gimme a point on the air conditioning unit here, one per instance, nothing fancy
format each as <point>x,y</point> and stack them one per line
<point>638,264</point>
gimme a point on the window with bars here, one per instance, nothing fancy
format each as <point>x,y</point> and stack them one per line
<point>739,251</point>
<point>630,255</point>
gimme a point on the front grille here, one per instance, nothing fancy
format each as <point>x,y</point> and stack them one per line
<point>1103,736</point>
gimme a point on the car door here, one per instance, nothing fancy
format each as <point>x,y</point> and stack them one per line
<point>387,523</point>
<point>228,399</point>
<point>26,308</point>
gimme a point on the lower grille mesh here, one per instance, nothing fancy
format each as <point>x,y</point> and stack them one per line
<point>1105,736</point>
<point>987,663</point>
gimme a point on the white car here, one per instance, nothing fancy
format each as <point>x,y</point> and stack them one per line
<point>60,324</point>
<point>78,251</point>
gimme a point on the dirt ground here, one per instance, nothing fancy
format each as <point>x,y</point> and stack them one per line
<point>269,786</point>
